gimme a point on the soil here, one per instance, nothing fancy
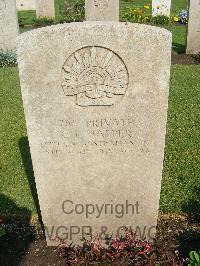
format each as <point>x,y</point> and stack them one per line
<point>36,253</point>
<point>183,59</point>
<point>24,243</point>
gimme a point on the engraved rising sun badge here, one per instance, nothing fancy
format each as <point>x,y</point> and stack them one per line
<point>95,75</point>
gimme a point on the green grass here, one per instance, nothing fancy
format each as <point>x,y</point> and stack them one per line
<point>181,186</point>
<point>181,178</point>
<point>27,16</point>
<point>178,38</point>
<point>13,176</point>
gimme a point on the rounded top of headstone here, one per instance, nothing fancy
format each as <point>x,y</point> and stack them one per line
<point>122,27</point>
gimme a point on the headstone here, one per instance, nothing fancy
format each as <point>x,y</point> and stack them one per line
<point>26,5</point>
<point>98,10</point>
<point>9,28</point>
<point>193,33</point>
<point>45,8</point>
<point>161,8</point>
<point>95,96</point>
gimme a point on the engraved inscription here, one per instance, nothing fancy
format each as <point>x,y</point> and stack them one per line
<point>101,136</point>
<point>101,4</point>
<point>96,76</point>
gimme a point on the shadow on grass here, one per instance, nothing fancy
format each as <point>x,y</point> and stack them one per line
<point>178,48</point>
<point>16,231</point>
<point>13,239</point>
<point>27,162</point>
<point>189,241</point>
<point>190,238</point>
<point>192,206</point>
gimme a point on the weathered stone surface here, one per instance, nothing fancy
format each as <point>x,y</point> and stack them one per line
<point>9,28</point>
<point>161,7</point>
<point>26,4</point>
<point>45,8</point>
<point>193,35</point>
<point>95,97</point>
<point>102,10</point>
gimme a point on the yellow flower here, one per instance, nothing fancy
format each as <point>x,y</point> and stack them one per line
<point>158,7</point>
<point>146,6</point>
<point>176,19</point>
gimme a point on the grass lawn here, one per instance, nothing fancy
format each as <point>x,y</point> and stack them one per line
<point>27,16</point>
<point>181,176</point>
<point>179,36</point>
<point>181,184</point>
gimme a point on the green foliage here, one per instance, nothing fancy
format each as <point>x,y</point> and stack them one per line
<point>7,58</point>
<point>160,20</point>
<point>44,21</point>
<point>194,258</point>
<point>72,12</point>
<point>139,15</point>
<point>135,14</point>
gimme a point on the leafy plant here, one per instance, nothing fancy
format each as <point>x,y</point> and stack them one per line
<point>194,258</point>
<point>43,21</point>
<point>183,16</point>
<point>72,12</point>
<point>135,14</point>
<point>123,250</point>
<point>138,15</point>
<point>7,58</point>
<point>160,20</point>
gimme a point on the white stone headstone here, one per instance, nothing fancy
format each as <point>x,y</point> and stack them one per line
<point>26,5</point>
<point>161,8</point>
<point>193,33</point>
<point>95,97</point>
<point>45,8</point>
<point>9,28</point>
<point>102,10</point>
